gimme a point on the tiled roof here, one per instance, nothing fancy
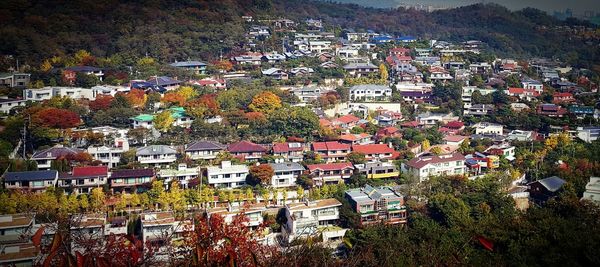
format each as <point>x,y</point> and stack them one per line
<point>163,81</point>
<point>455,138</point>
<point>155,150</point>
<point>455,124</point>
<point>205,145</point>
<point>56,152</point>
<point>327,146</point>
<point>132,173</point>
<point>347,119</point>
<point>373,149</point>
<point>317,204</point>
<point>330,166</point>
<point>287,147</point>
<point>420,162</point>
<point>245,146</point>
<point>88,171</point>
<point>354,137</point>
<point>30,176</point>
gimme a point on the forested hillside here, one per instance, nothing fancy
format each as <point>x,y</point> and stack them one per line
<point>170,30</point>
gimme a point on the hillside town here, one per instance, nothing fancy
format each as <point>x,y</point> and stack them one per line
<point>306,130</point>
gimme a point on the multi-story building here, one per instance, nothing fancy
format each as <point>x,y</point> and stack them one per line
<point>31,180</point>
<point>204,150</point>
<point>247,150</point>
<point>162,228</point>
<point>376,151</point>
<point>227,175</point>
<point>370,92</point>
<point>156,155</point>
<point>305,219</point>
<point>44,158</point>
<point>533,85</point>
<point>520,135</point>
<point>438,73</point>
<point>592,190</point>
<point>16,228</point>
<point>285,173</point>
<point>19,254</point>
<point>81,180</point>
<point>331,173</point>
<point>356,139</point>
<point>293,152</point>
<point>110,156</point>
<point>6,104</point>
<point>331,151</point>
<point>360,69</point>
<point>45,93</point>
<point>378,205</point>
<point>14,79</point>
<point>588,134</point>
<point>198,67</point>
<point>132,180</point>
<point>551,110</point>
<point>182,174</point>
<point>431,119</point>
<point>488,128</point>
<point>378,170</point>
<point>432,165</point>
<point>254,213</point>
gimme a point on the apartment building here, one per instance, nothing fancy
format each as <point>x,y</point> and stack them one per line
<point>227,175</point>
<point>310,218</point>
<point>378,205</point>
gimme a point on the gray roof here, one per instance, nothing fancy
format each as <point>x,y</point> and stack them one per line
<point>370,86</point>
<point>30,176</point>
<point>369,193</point>
<point>184,64</point>
<point>553,183</point>
<point>155,150</point>
<point>55,152</point>
<point>351,66</point>
<point>205,145</point>
<point>286,166</point>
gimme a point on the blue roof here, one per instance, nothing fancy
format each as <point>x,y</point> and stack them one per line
<point>553,183</point>
<point>30,176</point>
<point>163,81</point>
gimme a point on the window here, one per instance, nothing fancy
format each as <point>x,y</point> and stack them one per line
<point>458,163</point>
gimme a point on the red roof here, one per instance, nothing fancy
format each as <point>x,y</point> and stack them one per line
<point>387,131</point>
<point>330,166</point>
<point>347,119</point>
<point>324,122</point>
<point>245,146</point>
<point>354,137</point>
<point>90,171</point>
<point>410,124</point>
<point>373,149</point>
<point>326,146</point>
<point>455,124</point>
<point>514,90</point>
<point>285,147</point>
<point>562,95</point>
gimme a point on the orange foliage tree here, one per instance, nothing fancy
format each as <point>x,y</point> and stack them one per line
<point>56,118</point>
<point>102,102</point>
<point>265,102</point>
<point>262,173</point>
<point>173,98</point>
<point>136,97</point>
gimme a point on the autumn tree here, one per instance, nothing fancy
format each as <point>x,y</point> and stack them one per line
<point>163,121</point>
<point>265,102</point>
<point>136,97</point>
<point>97,198</point>
<point>57,118</point>
<point>383,72</point>
<point>261,174</point>
<point>187,92</point>
<point>102,102</point>
<point>173,98</point>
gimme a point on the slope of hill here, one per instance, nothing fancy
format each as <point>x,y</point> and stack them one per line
<point>177,30</point>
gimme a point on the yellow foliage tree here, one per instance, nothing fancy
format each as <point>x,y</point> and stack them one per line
<point>383,72</point>
<point>187,92</point>
<point>425,145</point>
<point>97,199</point>
<point>81,55</point>
<point>163,121</point>
<point>265,102</point>
<point>46,66</point>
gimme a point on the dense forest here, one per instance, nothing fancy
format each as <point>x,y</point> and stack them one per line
<point>177,30</point>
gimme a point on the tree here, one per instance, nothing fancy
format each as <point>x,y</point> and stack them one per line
<point>356,157</point>
<point>56,118</point>
<point>176,195</point>
<point>425,145</point>
<point>86,80</point>
<point>136,98</point>
<point>102,102</point>
<point>261,174</point>
<point>383,72</point>
<point>265,102</point>
<point>436,150</point>
<point>173,98</point>
<point>187,92</point>
<point>357,130</point>
<point>155,191</point>
<point>163,121</point>
<point>97,199</point>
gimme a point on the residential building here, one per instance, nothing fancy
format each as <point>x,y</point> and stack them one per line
<point>182,174</point>
<point>85,226</point>
<point>488,128</point>
<point>592,190</point>
<point>520,135</point>
<point>227,175</point>
<point>19,254</point>
<point>559,97</point>
<point>378,205</point>
<point>164,82</point>
<point>308,93</point>
<point>523,94</point>
<point>69,74</point>
<point>331,151</point>
<point>378,170</point>
<point>215,83</point>
<point>275,73</point>
<point>455,140</point>
<point>204,150</point>
<point>285,174</point>
<point>581,111</point>
<point>198,67</point>
<point>254,213</point>
<point>31,180</point>
<point>14,79</point>
<point>330,173</point>
<point>438,73</point>
<point>416,96</point>
<point>293,152</point>
<point>301,71</point>
<point>307,219</point>
<point>44,158</point>
<point>111,90</point>
<point>6,104</point>
<point>180,118</point>
<point>356,139</point>
<point>81,180</point>
<point>161,228</point>
<point>110,156</point>
<point>551,110</point>
<point>533,84</point>
<point>502,150</point>
<point>542,190</point>
<point>376,151</point>
<point>156,155</point>
<point>479,110</point>
<point>345,122</point>
<point>370,92</point>
<point>389,131</point>
<point>247,150</point>
<point>424,166</point>
<point>131,180</point>
<point>15,228</point>
<point>588,134</point>
<point>46,93</point>
<point>360,69</point>
<point>431,119</point>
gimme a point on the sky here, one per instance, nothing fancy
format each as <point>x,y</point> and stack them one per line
<point>578,6</point>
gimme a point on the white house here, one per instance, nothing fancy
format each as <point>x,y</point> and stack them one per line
<point>305,219</point>
<point>592,190</point>
<point>16,228</point>
<point>110,156</point>
<point>45,93</point>
<point>6,104</point>
<point>156,155</point>
<point>431,119</point>
<point>488,128</point>
<point>532,85</point>
<point>432,165</point>
<point>370,92</point>
<point>204,150</point>
<point>285,173</point>
<point>227,175</point>
<point>182,174</point>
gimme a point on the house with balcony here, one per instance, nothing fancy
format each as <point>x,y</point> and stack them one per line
<point>378,170</point>
<point>313,218</point>
<point>356,139</point>
<point>6,104</point>
<point>44,158</point>
<point>438,73</point>
<point>427,165</point>
<point>285,173</point>
<point>429,119</point>
<point>227,175</point>
<point>275,73</point>
<point>330,173</point>
<point>289,151</point>
<point>532,84</point>
<point>307,94</point>
<point>81,180</point>
<point>551,110</point>
<point>253,212</point>
<point>14,79</point>
<point>488,128</point>
<point>86,226</point>
<point>16,228</point>
<point>345,122</point>
<point>19,254</point>
<point>198,67</point>
<point>479,110</point>
<point>131,180</point>
<point>110,156</point>
<point>358,70</point>
<point>331,151</point>
<point>204,150</point>
<point>247,150</point>
<point>156,155</point>
<point>370,92</point>
<point>520,135</point>
<point>588,134</point>
<point>376,151</point>
<point>378,205</point>
<point>30,180</point>
<point>523,94</point>
<point>559,97</point>
<point>161,229</point>
<point>182,174</point>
